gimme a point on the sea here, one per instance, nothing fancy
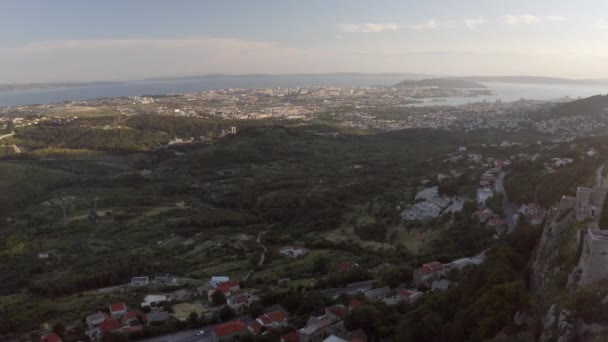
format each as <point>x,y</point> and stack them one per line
<point>507,92</point>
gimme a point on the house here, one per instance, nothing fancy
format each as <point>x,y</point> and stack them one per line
<point>182,294</point>
<point>118,310</point>
<point>133,318</point>
<point>52,337</point>
<point>335,313</point>
<point>218,279</point>
<point>228,331</point>
<point>109,325</point>
<point>165,279</point>
<point>440,285</point>
<point>497,223</point>
<point>293,251</point>
<point>227,288</point>
<point>269,320</point>
<point>95,320</point>
<point>316,329</point>
<point>346,266</point>
<point>153,300</point>
<point>239,301</point>
<point>483,194</point>
<point>378,294</point>
<point>334,338</point>
<point>428,272</point>
<point>159,316</point>
<point>290,337</point>
<point>139,281</point>
<point>409,296</point>
<point>483,215</point>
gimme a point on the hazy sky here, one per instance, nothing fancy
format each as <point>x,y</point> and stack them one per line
<point>74,40</point>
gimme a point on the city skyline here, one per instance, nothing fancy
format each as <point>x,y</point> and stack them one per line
<point>75,41</point>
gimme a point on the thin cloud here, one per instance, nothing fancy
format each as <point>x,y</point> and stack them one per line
<point>525,19</point>
<point>431,24</point>
<point>601,24</point>
<point>474,23</point>
<point>368,28</point>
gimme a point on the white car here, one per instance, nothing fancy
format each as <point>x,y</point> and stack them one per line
<point>202,332</point>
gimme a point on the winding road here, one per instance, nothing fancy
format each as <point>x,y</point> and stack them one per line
<point>262,257</point>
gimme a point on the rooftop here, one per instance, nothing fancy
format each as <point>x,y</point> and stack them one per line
<point>229,328</point>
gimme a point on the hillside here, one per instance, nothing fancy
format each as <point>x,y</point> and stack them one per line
<point>521,79</point>
<point>594,105</point>
<point>443,83</point>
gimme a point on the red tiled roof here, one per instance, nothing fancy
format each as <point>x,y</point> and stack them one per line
<point>229,283</point>
<point>132,314</point>
<point>434,266</point>
<point>52,337</point>
<point>424,270</point>
<point>405,293</point>
<point>229,328</point>
<point>240,299</point>
<point>226,286</point>
<point>337,311</point>
<point>344,266</point>
<point>278,316</point>
<point>256,327</point>
<point>110,325</point>
<point>117,307</point>
<point>291,337</point>
<point>265,320</point>
<point>354,303</point>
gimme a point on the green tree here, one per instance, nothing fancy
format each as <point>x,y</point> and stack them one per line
<point>10,126</point>
<point>365,317</point>
<point>193,319</point>
<point>59,329</point>
<point>218,298</point>
<point>320,265</point>
<point>256,309</point>
<point>226,314</point>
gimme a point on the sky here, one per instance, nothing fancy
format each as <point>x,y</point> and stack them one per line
<point>75,40</point>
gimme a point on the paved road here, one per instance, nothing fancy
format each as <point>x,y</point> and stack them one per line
<point>507,207</point>
<point>599,178</point>
<point>6,136</point>
<point>184,336</point>
<point>262,257</point>
<point>350,289</point>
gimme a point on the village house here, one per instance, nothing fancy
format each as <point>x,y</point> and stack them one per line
<point>290,337</point>
<point>139,281</point>
<point>428,272</point>
<point>378,294</point>
<point>269,320</point>
<point>483,215</point>
<point>316,330</point>
<point>118,310</point>
<point>483,194</point>
<point>335,313</point>
<point>52,337</point>
<point>228,288</point>
<point>165,279</point>
<point>158,316</point>
<point>293,251</point>
<point>218,279</point>
<point>240,301</point>
<point>229,331</point>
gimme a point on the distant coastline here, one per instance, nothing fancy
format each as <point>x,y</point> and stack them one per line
<point>28,86</point>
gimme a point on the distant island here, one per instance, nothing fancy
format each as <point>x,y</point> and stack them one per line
<point>26,86</point>
<point>441,83</point>
<point>528,79</point>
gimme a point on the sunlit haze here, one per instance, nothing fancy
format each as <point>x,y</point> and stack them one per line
<point>66,40</point>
